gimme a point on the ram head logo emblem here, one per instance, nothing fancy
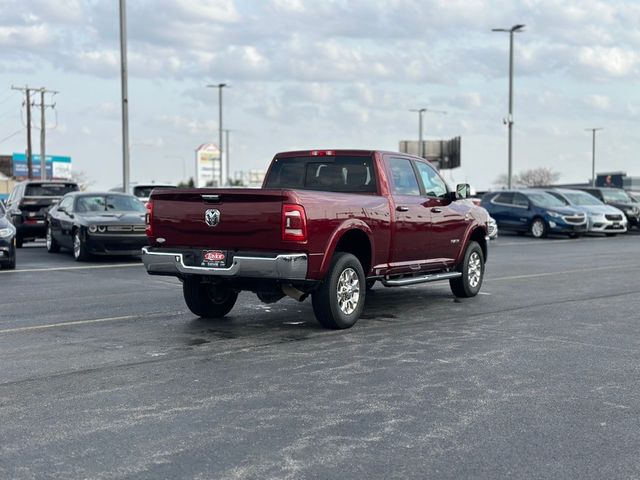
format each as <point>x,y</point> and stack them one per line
<point>212,217</point>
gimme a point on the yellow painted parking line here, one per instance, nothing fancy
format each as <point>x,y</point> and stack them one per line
<point>561,272</point>
<point>85,322</point>
<point>84,267</point>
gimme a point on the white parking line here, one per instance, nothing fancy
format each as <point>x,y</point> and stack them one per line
<point>561,272</point>
<point>85,322</point>
<point>84,267</point>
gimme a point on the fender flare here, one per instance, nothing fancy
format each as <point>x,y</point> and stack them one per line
<point>345,227</point>
<point>475,225</point>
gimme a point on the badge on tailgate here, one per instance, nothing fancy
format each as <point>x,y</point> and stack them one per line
<point>214,258</point>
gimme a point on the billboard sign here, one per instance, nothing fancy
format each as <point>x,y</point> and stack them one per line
<point>208,165</point>
<point>57,167</point>
<point>445,153</point>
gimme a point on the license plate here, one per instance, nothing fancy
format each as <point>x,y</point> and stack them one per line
<point>214,258</point>
<point>616,225</point>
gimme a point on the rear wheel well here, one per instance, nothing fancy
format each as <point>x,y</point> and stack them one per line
<point>357,243</point>
<point>479,236</point>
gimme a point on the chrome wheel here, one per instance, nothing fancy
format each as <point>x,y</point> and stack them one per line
<point>348,291</point>
<point>474,272</point>
<point>77,245</point>
<point>49,242</point>
<point>537,228</point>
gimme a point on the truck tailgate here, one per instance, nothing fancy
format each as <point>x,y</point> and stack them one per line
<point>249,219</point>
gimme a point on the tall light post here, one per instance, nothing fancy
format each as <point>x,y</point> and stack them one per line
<point>220,86</point>
<point>421,112</point>
<point>509,120</point>
<point>593,153</point>
<point>125,97</point>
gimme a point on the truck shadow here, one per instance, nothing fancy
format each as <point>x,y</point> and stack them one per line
<point>290,321</point>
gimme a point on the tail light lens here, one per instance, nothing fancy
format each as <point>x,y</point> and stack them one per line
<point>294,223</point>
<point>149,219</point>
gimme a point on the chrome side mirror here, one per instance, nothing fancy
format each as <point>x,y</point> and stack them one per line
<point>463,190</point>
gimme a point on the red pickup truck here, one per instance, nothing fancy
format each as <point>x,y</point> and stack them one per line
<point>326,223</point>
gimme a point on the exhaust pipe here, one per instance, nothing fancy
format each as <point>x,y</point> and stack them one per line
<point>294,293</point>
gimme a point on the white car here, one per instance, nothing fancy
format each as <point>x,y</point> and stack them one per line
<point>601,218</point>
<point>143,190</point>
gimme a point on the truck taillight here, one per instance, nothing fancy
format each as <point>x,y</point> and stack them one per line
<point>294,223</point>
<point>148,219</point>
<point>322,153</point>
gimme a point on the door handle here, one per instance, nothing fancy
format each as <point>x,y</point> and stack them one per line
<point>402,208</point>
<point>436,210</point>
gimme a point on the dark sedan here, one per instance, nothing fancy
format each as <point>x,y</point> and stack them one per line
<point>97,224</point>
<point>7,241</point>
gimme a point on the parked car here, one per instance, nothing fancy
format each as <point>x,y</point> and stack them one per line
<point>492,228</point>
<point>616,197</point>
<point>492,225</point>
<point>601,218</point>
<point>28,204</point>
<point>635,196</point>
<point>534,211</point>
<point>143,190</point>
<point>88,224</point>
<point>7,241</point>
<point>327,223</point>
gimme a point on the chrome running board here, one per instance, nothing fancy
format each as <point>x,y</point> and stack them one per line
<point>434,277</point>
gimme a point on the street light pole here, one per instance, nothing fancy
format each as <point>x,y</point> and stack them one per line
<point>421,112</point>
<point>509,119</point>
<point>220,86</point>
<point>125,97</point>
<point>593,153</point>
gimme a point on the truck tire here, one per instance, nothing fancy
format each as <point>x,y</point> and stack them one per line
<point>472,269</point>
<point>206,300</point>
<point>339,300</point>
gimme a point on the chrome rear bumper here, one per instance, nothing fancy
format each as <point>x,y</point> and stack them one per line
<point>290,266</point>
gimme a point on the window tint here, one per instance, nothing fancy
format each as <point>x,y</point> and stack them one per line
<point>434,186</point>
<point>50,189</point>
<point>543,199</point>
<point>329,174</point>
<point>403,178</point>
<point>520,200</point>
<point>66,204</point>
<point>560,197</point>
<point>505,198</point>
<point>110,203</point>
<point>144,191</point>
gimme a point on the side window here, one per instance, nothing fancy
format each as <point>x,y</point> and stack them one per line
<point>434,186</point>
<point>403,178</point>
<point>67,204</point>
<point>505,198</point>
<point>519,200</point>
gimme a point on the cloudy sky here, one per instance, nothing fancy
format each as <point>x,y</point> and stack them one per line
<point>327,74</point>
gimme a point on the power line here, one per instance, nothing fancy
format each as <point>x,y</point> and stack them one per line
<point>11,136</point>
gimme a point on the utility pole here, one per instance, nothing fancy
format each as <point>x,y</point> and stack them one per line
<point>509,119</point>
<point>220,86</point>
<point>125,97</point>
<point>27,90</point>
<point>228,151</point>
<point>593,153</point>
<point>43,106</point>
<point>421,111</point>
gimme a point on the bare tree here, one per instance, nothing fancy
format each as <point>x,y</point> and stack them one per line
<point>535,177</point>
<point>538,177</point>
<point>81,178</point>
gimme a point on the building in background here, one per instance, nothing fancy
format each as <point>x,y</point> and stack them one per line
<point>208,165</point>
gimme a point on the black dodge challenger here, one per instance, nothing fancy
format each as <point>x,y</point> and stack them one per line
<point>88,224</point>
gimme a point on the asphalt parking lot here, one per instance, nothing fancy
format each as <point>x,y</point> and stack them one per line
<point>105,374</point>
